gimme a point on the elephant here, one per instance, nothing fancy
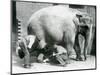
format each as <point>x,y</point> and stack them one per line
<point>59,25</point>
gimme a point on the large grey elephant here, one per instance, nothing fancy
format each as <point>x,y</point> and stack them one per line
<point>59,25</point>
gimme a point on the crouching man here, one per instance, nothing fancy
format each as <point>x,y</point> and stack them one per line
<point>61,55</point>
<point>56,55</point>
<point>25,48</point>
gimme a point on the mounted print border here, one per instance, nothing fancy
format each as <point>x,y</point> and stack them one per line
<point>21,11</point>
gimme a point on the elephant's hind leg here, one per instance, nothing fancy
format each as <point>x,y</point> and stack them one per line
<point>69,43</point>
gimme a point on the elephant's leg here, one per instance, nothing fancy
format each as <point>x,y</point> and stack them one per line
<point>69,42</point>
<point>69,48</point>
<point>41,37</point>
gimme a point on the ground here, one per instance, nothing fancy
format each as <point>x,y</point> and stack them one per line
<point>43,67</point>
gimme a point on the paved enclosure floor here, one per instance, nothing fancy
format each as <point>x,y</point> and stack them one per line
<point>43,67</point>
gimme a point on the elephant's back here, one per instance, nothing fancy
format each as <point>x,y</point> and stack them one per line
<point>53,20</point>
<point>59,10</point>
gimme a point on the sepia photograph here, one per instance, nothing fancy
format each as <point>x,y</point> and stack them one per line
<point>52,37</point>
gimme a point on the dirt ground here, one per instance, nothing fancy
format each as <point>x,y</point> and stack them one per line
<point>45,67</point>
